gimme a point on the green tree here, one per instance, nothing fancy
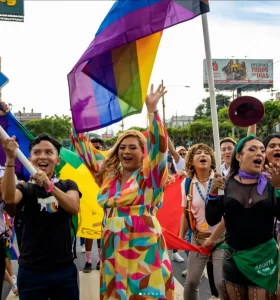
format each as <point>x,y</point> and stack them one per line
<point>270,119</point>
<point>141,129</point>
<point>204,108</point>
<point>57,127</point>
<point>199,111</point>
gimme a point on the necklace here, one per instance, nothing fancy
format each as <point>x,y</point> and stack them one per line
<point>203,180</point>
<point>250,199</point>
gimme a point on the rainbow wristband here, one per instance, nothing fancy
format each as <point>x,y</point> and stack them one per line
<point>49,190</point>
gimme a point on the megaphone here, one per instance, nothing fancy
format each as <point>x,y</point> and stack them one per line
<point>245,111</point>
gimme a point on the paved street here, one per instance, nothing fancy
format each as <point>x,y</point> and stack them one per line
<point>80,262</point>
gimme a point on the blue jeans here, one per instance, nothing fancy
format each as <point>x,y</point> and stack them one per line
<point>54,285</point>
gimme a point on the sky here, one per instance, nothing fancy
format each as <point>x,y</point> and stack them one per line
<point>38,54</point>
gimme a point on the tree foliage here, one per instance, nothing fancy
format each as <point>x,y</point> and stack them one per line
<point>271,117</point>
<point>57,127</point>
<point>200,131</point>
<point>204,108</point>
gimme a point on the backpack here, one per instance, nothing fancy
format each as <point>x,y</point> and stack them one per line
<point>190,218</point>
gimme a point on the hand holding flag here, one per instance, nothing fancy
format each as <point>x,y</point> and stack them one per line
<point>12,151</point>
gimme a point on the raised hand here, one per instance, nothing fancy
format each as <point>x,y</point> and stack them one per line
<point>218,183</point>
<point>10,146</point>
<point>273,174</point>
<point>5,108</point>
<point>153,98</point>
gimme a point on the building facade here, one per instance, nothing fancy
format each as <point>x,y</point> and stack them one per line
<point>179,121</point>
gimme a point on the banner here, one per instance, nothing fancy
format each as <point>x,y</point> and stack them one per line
<point>11,10</point>
<point>245,73</point>
<point>169,217</point>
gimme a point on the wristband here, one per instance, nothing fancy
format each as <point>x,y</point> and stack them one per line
<point>153,113</point>
<point>213,195</point>
<point>49,190</point>
<point>9,166</point>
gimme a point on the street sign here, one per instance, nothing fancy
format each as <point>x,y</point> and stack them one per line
<point>3,80</point>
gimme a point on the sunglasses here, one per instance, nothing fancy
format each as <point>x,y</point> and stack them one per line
<point>98,147</point>
<point>183,153</point>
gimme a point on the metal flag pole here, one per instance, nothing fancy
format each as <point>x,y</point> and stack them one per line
<point>214,116</point>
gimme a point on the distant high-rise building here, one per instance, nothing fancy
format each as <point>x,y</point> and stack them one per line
<point>179,121</point>
<point>27,116</point>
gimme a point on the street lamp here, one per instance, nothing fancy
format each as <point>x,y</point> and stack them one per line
<point>163,102</point>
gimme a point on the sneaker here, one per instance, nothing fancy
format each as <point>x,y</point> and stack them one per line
<point>14,279</point>
<point>176,257</point>
<point>15,289</point>
<point>87,268</point>
<point>214,298</point>
<point>83,248</point>
<point>184,273</point>
<point>98,265</point>
<point>204,274</point>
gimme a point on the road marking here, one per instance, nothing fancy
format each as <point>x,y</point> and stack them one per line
<point>89,287</point>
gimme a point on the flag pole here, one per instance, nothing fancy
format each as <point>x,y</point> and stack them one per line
<point>211,85</point>
<point>214,116</point>
<point>27,164</point>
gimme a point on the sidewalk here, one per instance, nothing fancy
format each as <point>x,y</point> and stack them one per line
<point>89,287</point>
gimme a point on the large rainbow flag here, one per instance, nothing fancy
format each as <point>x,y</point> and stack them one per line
<point>71,167</point>
<point>110,80</point>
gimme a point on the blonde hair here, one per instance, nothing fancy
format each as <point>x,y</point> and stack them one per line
<point>189,168</point>
<point>112,160</point>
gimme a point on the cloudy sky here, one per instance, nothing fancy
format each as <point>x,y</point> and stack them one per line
<point>38,54</point>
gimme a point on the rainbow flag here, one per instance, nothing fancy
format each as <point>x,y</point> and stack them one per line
<point>110,80</point>
<point>71,167</point>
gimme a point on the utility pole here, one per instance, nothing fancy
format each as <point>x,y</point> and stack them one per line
<point>163,106</point>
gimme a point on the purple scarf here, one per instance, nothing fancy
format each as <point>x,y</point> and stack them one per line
<point>262,180</point>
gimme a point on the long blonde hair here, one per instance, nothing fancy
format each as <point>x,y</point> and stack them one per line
<point>112,160</point>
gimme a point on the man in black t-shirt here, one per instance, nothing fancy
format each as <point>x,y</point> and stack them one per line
<point>46,268</point>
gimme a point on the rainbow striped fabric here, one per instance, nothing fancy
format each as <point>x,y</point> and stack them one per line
<point>111,79</point>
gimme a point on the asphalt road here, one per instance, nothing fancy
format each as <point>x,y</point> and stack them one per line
<point>80,262</point>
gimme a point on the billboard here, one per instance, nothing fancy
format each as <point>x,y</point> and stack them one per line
<point>11,10</point>
<point>247,74</point>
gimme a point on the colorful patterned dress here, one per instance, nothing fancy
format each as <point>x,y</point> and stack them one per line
<point>134,261</point>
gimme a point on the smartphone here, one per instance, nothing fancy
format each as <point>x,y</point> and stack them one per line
<point>3,80</point>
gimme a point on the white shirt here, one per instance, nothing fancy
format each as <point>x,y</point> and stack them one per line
<point>225,170</point>
<point>198,205</point>
<point>180,166</point>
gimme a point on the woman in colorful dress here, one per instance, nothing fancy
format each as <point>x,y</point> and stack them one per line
<point>249,207</point>
<point>200,166</point>
<point>134,257</point>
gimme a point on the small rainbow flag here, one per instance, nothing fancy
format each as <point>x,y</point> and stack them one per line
<point>111,79</point>
<point>51,208</point>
